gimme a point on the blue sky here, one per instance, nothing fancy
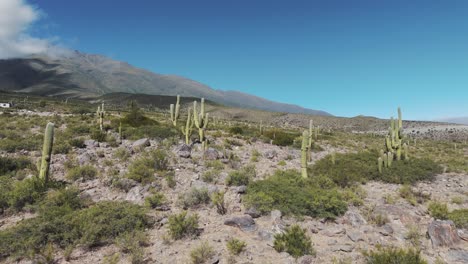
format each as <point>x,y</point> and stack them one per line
<point>344,57</point>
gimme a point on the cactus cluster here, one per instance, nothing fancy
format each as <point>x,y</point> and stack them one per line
<point>47,152</point>
<point>175,111</point>
<point>395,149</point>
<point>100,113</point>
<point>201,121</point>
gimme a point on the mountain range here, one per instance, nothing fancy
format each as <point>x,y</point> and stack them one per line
<point>88,76</point>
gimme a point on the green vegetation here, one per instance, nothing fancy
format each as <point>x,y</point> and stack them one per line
<point>235,246</point>
<point>360,167</point>
<point>394,255</point>
<point>181,225</point>
<point>64,220</point>
<point>202,253</point>
<point>9,166</point>
<point>294,241</point>
<point>86,172</point>
<point>218,200</point>
<point>194,198</point>
<point>143,169</point>
<point>438,210</point>
<point>154,200</point>
<point>459,217</point>
<point>242,176</point>
<point>288,192</point>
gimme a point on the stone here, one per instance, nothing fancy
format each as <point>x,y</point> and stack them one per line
<point>84,159</point>
<point>141,143</point>
<point>307,259</point>
<point>337,231</point>
<point>184,151</point>
<point>240,189</point>
<point>276,215</point>
<point>354,218</point>
<point>457,256</point>
<point>265,235</point>
<point>211,154</point>
<point>270,154</point>
<point>245,222</point>
<point>463,234</point>
<point>90,143</point>
<point>355,236</point>
<point>386,230</point>
<point>253,212</point>
<point>135,195</point>
<point>443,233</point>
<point>344,248</point>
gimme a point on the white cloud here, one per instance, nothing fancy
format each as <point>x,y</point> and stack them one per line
<point>16,18</point>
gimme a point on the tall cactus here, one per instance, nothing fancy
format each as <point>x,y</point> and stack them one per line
<point>201,120</point>
<point>175,112</point>
<point>47,152</point>
<point>304,150</point>
<point>394,147</point>
<point>120,132</point>
<point>187,131</point>
<point>100,113</point>
<point>310,141</point>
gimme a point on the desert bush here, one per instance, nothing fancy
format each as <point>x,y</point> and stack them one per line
<point>10,165</point>
<point>438,210</point>
<point>13,145</point>
<point>143,168</point>
<point>294,241</point>
<point>170,179</point>
<point>77,142</point>
<point>132,243</point>
<point>194,198</point>
<point>60,223</point>
<point>288,192</point>
<point>181,225</point>
<point>154,200</point>
<point>122,154</point>
<point>61,148</point>
<point>394,255</point>
<point>98,135</point>
<point>210,175</point>
<point>236,130</point>
<point>218,200</point>
<point>235,246</point>
<point>135,118</point>
<point>242,176</point>
<point>459,217</point>
<point>214,164</point>
<point>202,253</point>
<point>351,168</point>
<point>86,172</point>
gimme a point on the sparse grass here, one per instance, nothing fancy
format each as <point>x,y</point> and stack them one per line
<point>202,253</point>
<point>218,200</point>
<point>194,198</point>
<point>86,172</point>
<point>210,175</point>
<point>235,246</point>
<point>394,255</point>
<point>122,154</point>
<point>438,210</point>
<point>458,200</point>
<point>414,236</point>
<point>459,217</point>
<point>154,200</point>
<point>143,169</point>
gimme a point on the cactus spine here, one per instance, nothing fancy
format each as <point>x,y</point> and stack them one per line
<point>175,112</point>
<point>187,131</point>
<point>200,120</point>
<point>304,150</point>
<point>47,152</point>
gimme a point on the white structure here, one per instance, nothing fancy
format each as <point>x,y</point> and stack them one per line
<point>5,105</point>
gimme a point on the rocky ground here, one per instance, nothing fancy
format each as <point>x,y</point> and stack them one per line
<point>344,239</point>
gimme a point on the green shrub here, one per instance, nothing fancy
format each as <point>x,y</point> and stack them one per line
<point>122,154</point>
<point>86,172</point>
<point>135,118</point>
<point>202,253</point>
<point>294,241</point>
<point>459,217</point>
<point>235,246</point>
<point>154,200</point>
<point>394,255</point>
<point>210,175</point>
<point>181,225</point>
<point>170,179</point>
<point>144,168</point>
<point>438,210</point>
<point>194,198</point>
<point>215,164</point>
<point>98,135</point>
<point>61,222</point>
<point>281,138</point>
<point>132,243</point>
<point>236,130</point>
<point>242,176</point>
<point>26,192</point>
<point>61,148</point>
<point>77,142</point>
<point>351,168</point>
<point>8,165</point>
<point>218,200</point>
<point>288,192</point>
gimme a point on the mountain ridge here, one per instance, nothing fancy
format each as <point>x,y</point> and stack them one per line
<point>81,75</point>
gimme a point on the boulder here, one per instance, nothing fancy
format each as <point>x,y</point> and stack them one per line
<point>211,154</point>
<point>354,218</point>
<point>443,233</point>
<point>253,212</point>
<point>90,143</point>
<point>270,154</point>
<point>184,151</point>
<point>245,222</point>
<point>141,143</point>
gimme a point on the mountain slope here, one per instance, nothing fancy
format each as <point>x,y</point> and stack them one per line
<point>456,120</point>
<point>89,76</point>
